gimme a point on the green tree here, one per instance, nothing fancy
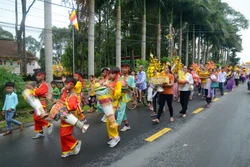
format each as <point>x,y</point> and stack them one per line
<point>4,34</point>
<point>32,45</point>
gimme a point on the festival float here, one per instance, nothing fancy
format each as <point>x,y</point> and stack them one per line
<point>59,70</point>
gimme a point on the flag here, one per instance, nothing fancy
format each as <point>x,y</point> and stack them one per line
<point>73,19</point>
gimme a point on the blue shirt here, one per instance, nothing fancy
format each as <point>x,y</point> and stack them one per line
<point>142,80</point>
<point>11,101</point>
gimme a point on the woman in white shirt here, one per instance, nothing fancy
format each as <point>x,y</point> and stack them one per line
<point>185,92</point>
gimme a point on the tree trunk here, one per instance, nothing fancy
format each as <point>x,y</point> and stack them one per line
<point>143,42</point>
<point>48,40</point>
<point>187,47</point>
<point>170,41</point>
<point>193,50</point>
<point>91,38</point>
<point>108,42</point>
<point>204,52</point>
<point>118,35</point>
<point>199,50</point>
<point>180,38</point>
<point>228,56</point>
<point>207,51</point>
<point>99,39</point>
<point>132,59</point>
<point>159,36</point>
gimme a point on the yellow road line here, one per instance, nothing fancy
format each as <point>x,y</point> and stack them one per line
<point>225,93</point>
<point>157,135</point>
<point>198,110</point>
<point>216,99</point>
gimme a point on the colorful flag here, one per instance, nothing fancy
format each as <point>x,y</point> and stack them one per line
<point>73,19</point>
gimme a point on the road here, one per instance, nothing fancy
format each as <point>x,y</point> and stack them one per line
<point>214,137</point>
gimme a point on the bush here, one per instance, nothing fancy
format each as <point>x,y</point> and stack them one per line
<point>7,76</point>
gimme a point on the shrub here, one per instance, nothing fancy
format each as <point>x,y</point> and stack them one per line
<point>7,76</point>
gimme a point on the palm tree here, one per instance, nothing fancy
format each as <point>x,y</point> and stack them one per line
<point>118,34</point>
<point>91,39</point>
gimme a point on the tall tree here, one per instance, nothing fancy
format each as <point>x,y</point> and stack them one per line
<point>20,34</point>
<point>91,39</point>
<point>118,34</point>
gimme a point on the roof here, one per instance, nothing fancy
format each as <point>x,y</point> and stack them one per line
<point>8,50</point>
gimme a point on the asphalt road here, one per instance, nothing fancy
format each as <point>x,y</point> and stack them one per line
<point>218,136</point>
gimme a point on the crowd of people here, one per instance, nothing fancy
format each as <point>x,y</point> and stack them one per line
<point>112,92</point>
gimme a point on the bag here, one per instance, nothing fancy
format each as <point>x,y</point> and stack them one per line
<point>191,87</point>
<point>214,85</point>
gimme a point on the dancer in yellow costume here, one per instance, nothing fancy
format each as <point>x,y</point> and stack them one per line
<point>78,89</point>
<point>115,89</point>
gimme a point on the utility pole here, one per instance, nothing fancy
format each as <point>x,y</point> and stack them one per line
<point>48,40</point>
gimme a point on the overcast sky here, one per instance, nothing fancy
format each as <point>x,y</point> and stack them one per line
<point>60,18</point>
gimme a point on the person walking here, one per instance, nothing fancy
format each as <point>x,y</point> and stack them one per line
<point>9,108</point>
<point>222,76</point>
<point>167,95</point>
<point>185,92</point>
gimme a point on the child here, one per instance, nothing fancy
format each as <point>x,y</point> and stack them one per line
<point>70,146</point>
<point>55,91</point>
<point>9,108</point>
<point>92,94</point>
<point>40,91</point>
<point>137,86</point>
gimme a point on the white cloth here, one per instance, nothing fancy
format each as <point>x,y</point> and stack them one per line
<point>190,81</point>
<point>222,77</point>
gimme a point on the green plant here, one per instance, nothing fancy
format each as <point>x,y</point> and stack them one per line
<point>7,76</point>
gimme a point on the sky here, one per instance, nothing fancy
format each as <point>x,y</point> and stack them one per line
<point>60,18</point>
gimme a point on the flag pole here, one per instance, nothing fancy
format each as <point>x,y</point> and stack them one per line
<point>73,34</point>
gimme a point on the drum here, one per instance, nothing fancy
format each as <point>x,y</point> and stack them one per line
<point>34,103</point>
<point>59,111</point>
<point>54,111</point>
<point>105,100</point>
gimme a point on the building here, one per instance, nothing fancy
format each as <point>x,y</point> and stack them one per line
<point>9,57</point>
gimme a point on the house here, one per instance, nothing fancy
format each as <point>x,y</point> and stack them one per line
<point>9,57</point>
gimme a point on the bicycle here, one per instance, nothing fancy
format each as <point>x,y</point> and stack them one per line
<point>134,102</point>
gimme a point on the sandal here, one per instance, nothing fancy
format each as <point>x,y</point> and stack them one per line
<point>7,133</point>
<point>171,119</point>
<point>156,121</point>
<point>184,116</point>
<point>153,114</point>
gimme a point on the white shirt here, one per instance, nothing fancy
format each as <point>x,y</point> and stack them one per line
<point>222,77</point>
<point>190,81</point>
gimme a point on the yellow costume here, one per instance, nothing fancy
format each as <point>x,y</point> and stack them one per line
<point>78,90</point>
<point>116,95</point>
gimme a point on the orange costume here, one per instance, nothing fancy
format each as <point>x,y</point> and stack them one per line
<point>68,142</point>
<point>40,92</point>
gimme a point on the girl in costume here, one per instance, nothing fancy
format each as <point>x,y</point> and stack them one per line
<point>40,91</point>
<point>105,74</point>
<point>128,85</point>
<point>92,94</point>
<point>115,89</point>
<point>78,89</point>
